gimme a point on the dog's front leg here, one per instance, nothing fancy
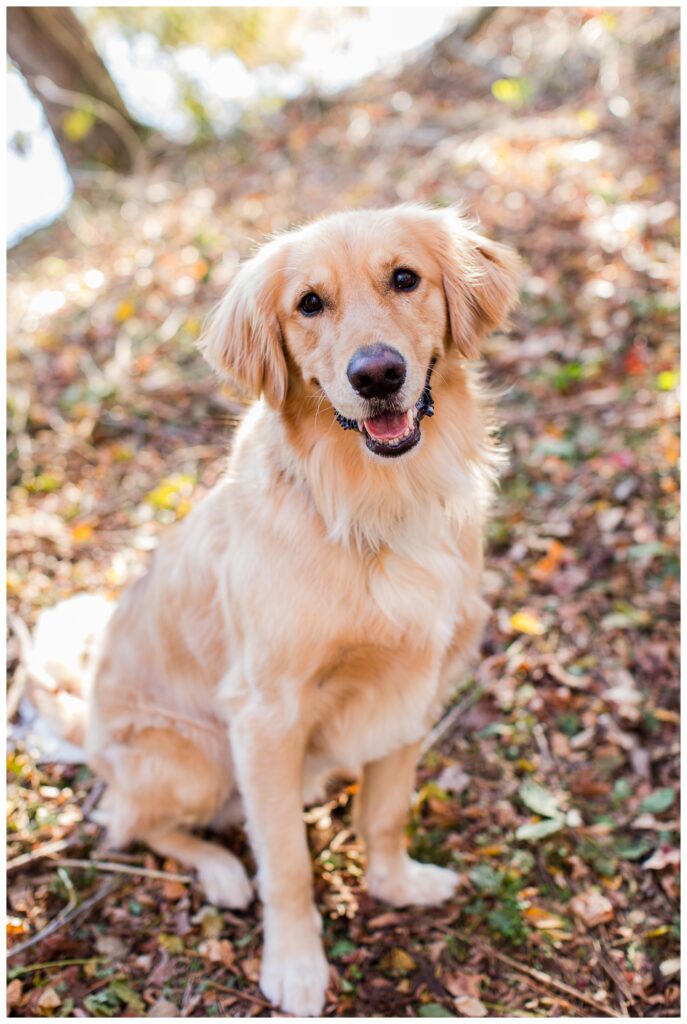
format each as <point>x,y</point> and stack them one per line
<point>381,815</point>
<point>269,765</point>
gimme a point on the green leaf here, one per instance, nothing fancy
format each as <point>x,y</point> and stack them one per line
<point>629,849</point>
<point>435,1010</point>
<point>342,948</point>
<point>658,801</point>
<point>507,921</point>
<point>485,878</point>
<point>540,829</point>
<point>126,995</point>
<point>538,799</point>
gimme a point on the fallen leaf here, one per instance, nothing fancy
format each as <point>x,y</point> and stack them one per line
<point>540,829</point>
<point>14,993</point>
<point>526,622</point>
<point>468,1006</point>
<point>663,857</point>
<point>49,999</point>
<point>541,918</point>
<point>218,951</point>
<point>592,908</point>
<point>658,801</point>
<point>210,920</point>
<point>670,967</point>
<point>174,890</point>
<point>434,1010</point>
<point>463,984</point>
<point>398,960</point>
<point>539,799</point>
<point>172,943</point>
<point>163,1008</point>
<point>453,779</point>
<point>110,946</point>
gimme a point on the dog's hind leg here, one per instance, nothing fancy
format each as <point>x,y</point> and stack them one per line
<point>161,786</point>
<point>221,874</point>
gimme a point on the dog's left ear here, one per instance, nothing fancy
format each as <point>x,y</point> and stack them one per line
<point>480,283</point>
<point>242,338</point>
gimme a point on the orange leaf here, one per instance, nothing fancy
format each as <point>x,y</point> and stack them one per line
<point>550,562</point>
<point>81,532</point>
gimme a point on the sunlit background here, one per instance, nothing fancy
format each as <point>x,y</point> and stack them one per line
<point>189,83</point>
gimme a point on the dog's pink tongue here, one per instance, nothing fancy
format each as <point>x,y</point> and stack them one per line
<point>388,426</point>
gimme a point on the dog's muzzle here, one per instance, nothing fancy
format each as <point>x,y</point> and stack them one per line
<point>392,433</point>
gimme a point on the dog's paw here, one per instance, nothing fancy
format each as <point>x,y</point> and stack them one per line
<point>225,882</point>
<point>296,982</point>
<point>413,884</point>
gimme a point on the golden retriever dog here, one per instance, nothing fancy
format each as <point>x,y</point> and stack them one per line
<point>311,614</point>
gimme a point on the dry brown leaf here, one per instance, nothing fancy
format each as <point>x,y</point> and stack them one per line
<point>49,999</point>
<point>662,858</point>
<point>14,993</point>
<point>592,908</point>
<point>251,968</point>
<point>163,1008</point>
<point>541,918</point>
<point>399,960</point>
<point>219,951</point>
<point>468,1006</point>
<point>463,984</point>
<point>110,946</point>
<point>174,890</point>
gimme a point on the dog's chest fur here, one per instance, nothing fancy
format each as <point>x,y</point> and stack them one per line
<point>379,688</point>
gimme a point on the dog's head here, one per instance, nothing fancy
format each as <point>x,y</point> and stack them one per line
<point>357,307</point>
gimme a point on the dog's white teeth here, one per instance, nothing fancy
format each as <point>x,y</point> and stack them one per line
<point>411,418</point>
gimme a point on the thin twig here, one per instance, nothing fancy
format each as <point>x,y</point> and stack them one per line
<point>16,972</point>
<point>237,992</point>
<point>40,851</point>
<point>124,869</point>
<point>93,797</point>
<point>447,723</point>
<point>547,979</point>
<point>72,911</point>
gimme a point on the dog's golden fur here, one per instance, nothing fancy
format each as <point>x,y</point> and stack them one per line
<point>311,613</point>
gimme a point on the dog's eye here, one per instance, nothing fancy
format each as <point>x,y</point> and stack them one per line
<point>404,280</point>
<point>310,304</point>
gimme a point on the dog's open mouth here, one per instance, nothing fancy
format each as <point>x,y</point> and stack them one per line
<point>392,433</point>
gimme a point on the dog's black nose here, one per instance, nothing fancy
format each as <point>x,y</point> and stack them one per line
<point>376,371</point>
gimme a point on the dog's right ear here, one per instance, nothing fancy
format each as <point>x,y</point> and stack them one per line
<point>242,338</point>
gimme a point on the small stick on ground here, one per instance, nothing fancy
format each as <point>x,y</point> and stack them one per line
<point>41,851</point>
<point>123,869</point>
<point>238,993</point>
<point>547,979</point>
<point>71,912</point>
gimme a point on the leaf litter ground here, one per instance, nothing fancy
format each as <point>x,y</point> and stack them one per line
<point>554,788</point>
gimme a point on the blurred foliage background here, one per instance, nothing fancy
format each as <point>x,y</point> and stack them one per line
<point>556,790</point>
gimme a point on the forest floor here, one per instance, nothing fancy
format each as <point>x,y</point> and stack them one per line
<point>555,790</point>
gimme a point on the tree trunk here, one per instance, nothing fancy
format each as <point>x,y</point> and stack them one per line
<point>81,102</point>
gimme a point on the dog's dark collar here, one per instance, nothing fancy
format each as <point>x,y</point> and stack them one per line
<point>424,406</point>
